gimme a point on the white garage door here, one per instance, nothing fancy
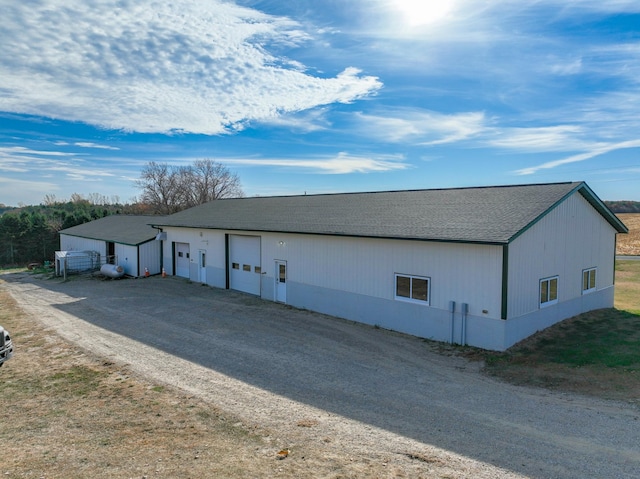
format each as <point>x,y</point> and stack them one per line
<point>244,264</point>
<point>182,259</point>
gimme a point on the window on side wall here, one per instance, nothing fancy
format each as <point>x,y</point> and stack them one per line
<point>588,280</point>
<point>413,288</point>
<point>548,291</point>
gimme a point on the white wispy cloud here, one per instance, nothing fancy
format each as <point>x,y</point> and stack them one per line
<point>145,66</point>
<point>88,144</point>
<point>306,121</point>
<point>17,159</point>
<point>342,163</point>
<point>22,151</point>
<point>538,139</point>
<point>601,150</point>
<point>420,127</point>
<point>570,67</point>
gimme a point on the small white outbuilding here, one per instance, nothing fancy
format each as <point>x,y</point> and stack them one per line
<point>128,240</point>
<point>483,266</point>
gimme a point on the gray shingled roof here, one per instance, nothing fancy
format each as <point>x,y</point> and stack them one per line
<point>479,215</point>
<point>125,229</point>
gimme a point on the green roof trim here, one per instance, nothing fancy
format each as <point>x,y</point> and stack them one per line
<point>603,209</point>
<point>593,200</point>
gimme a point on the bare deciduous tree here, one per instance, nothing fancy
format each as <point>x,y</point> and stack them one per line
<point>168,189</point>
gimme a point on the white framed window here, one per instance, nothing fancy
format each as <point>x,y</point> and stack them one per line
<point>588,280</point>
<point>548,291</point>
<point>413,288</point>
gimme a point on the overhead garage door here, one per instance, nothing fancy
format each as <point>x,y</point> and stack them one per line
<point>182,259</point>
<point>244,263</point>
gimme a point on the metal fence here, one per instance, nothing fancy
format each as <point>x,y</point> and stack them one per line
<point>81,262</point>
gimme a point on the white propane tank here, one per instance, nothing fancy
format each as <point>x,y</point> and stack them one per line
<point>112,270</point>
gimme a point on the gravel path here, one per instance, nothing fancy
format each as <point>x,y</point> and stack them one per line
<point>366,391</point>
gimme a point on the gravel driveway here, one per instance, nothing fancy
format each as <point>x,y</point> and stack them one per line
<point>368,389</point>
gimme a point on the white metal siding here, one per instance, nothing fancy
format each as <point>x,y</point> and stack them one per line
<point>464,273</point>
<point>571,238</point>
<point>74,243</point>
<point>127,257</point>
<point>149,253</point>
<point>211,241</point>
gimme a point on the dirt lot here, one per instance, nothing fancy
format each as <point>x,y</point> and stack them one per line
<point>165,378</point>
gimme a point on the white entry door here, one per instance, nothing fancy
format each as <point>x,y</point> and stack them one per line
<point>182,259</point>
<point>202,266</point>
<point>281,281</point>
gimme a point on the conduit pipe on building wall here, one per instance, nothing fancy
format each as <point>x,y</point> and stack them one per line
<point>464,311</point>
<point>452,310</point>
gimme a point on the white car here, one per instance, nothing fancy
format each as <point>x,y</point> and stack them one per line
<point>6,346</point>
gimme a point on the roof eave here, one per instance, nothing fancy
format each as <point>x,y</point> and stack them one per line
<point>498,242</point>
<point>603,209</point>
<point>106,239</point>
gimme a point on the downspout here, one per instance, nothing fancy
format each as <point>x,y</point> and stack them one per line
<point>452,310</point>
<point>161,251</point>
<point>464,311</point>
<point>505,281</point>
<point>615,248</point>
<point>227,281</point>
<point>173,258</point>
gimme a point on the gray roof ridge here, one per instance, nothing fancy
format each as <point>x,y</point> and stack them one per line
<point>413,190</point>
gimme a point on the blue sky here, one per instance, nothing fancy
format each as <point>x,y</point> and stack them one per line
<point>317,96</point>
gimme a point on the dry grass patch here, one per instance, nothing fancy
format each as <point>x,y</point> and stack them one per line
<point>629,244</point>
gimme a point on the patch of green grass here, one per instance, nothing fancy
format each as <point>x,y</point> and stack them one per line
<point>609,338</point>
<point>595,353</point>
<point>78,380</point>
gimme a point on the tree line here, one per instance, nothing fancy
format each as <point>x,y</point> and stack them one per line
<point>623,206</point>
<point>31,233</point>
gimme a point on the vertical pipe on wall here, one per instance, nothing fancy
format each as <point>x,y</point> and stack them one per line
<point>465,311</point>
<point>173,258</point>
<point>227,280</point>
<point>505,281</point>
<point>452,310</point>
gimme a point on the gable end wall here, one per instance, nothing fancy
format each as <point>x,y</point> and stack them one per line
<point>569,239</point>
